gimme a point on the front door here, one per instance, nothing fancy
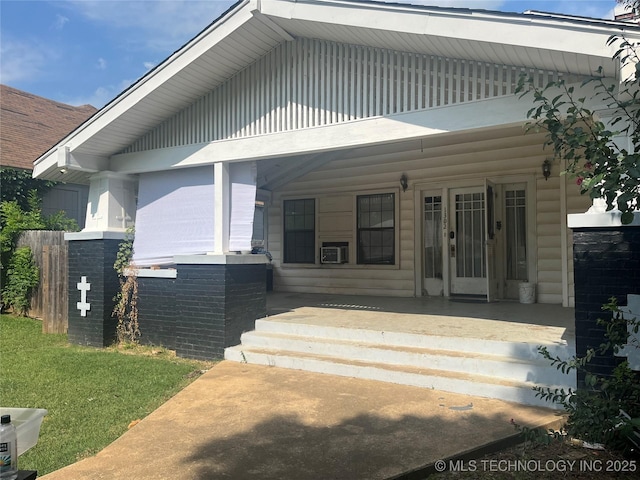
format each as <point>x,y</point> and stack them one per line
<point>467,244</point>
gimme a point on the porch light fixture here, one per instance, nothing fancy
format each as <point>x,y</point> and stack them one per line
<point>546,169</point>
<point>403,182</point>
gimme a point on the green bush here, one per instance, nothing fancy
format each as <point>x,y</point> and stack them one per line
<point>18,183</point>
<point>607,409</point>
<point>22,277</point>
<point>14,219</point>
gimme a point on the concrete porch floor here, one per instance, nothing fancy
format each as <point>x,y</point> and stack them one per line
<point>437,316</point>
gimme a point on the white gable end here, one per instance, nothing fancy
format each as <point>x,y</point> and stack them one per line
<point>310,83</point>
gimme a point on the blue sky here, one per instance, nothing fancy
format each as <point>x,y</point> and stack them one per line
<point>88,51</point>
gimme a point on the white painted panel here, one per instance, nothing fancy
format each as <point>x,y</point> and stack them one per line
<point>243,199</point>
<point>182,199</point>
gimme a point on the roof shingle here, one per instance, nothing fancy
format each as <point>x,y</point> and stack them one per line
<point>30,125</point>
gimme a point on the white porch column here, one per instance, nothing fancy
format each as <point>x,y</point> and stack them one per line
<point>243,204</point>
<point>112,202</point>
<point>222,207</point>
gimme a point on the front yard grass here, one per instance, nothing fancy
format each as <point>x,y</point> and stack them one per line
<point>91,394</point>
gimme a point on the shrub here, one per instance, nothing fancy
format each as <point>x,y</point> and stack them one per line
<point>126,300</point>
<point>22,277</point>
<point>607,409</point>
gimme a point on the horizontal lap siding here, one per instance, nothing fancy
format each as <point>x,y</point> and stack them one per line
<point>548,227</point>
<point>549,236</point>
<point>382,173</point>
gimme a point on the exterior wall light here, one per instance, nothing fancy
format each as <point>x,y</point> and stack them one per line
<point>546,169</point>
<point>403,182</point>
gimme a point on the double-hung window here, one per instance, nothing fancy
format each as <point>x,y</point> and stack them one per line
<point>300,231</point>
<point>376,229</point>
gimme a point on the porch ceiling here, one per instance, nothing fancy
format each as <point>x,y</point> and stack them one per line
<point>251,28</point>
<point>276,172</point>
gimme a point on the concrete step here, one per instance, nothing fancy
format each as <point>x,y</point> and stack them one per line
<point>462,383</point>
<point>467,365</point>
<point>523,350</point>
<point>479,363</point>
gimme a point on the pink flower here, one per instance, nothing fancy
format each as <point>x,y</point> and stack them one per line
<point>588,165</point>
<point>579,181</point>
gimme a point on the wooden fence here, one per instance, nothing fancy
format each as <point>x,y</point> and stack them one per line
<point>49,300</point>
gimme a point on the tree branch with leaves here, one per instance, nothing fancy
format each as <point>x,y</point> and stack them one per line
<point>599,146</point>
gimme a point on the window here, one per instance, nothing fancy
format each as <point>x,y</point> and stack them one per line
<point>470,235</point>
<point>300,231</point>
<point>258,238</point>
<point>376,229</point>
<point>516,230</point>
<point>433,237</point>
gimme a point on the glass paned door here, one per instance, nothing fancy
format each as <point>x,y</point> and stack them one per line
<point>433,243</point>
<point>515,225</point>
<point>467,252</point>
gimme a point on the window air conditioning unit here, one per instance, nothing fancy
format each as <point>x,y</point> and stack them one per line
<point>334,254</point>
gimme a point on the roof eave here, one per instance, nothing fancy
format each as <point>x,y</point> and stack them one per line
<point>131,106</point>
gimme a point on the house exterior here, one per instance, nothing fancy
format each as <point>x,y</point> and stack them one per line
<point>370,148</point>
<point>30,125</point>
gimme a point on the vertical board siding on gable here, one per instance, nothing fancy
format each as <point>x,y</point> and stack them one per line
<point>309,83</point>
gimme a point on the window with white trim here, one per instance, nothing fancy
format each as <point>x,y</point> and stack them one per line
<point>376,229</point>
<point>300,231</point>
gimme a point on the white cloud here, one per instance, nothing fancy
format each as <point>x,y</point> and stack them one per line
<point>162,26</point>
<point>594,9</point>
<point>102,64</point>
<point>149,65</point>
<point>100,96</point>
<point>20,61</point>
<point>591,8</point>
<point>60,22</point>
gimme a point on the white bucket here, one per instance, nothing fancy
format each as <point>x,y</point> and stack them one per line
<point>527,292</point>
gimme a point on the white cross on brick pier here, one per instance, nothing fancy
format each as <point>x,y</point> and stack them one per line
<point>82,305</point>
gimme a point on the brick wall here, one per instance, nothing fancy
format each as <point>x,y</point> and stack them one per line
<point>157,315</point>
<point>200,302</point>
<point>200,312</point>
<point>93,259</point>
<point>246,300</point>
<point>216,303</point>
<point>606,264</point>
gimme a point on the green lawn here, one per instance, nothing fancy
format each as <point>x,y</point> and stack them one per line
<point>91,394</point>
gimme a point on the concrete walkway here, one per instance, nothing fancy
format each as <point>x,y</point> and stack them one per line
<point>241,421</point>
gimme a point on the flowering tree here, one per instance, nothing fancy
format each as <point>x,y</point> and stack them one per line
<point>579,136</point>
